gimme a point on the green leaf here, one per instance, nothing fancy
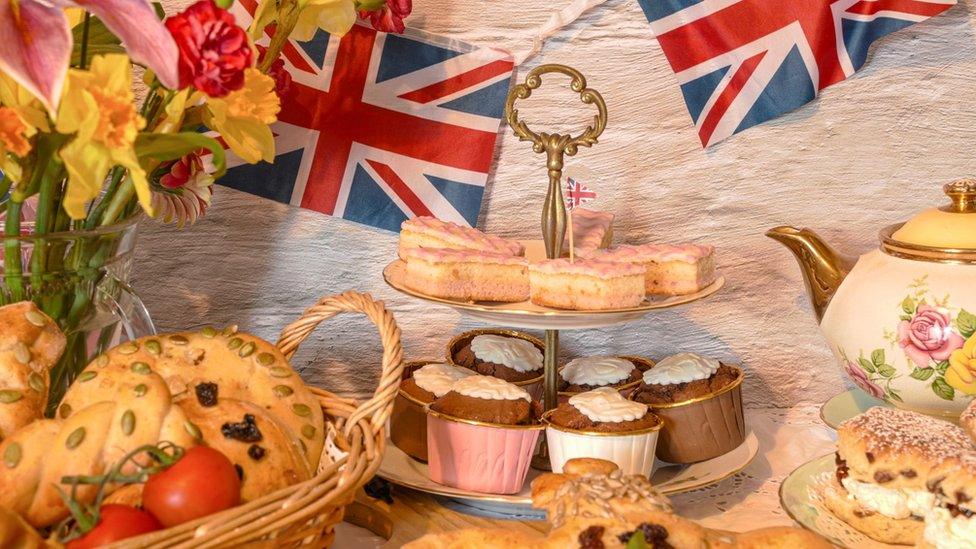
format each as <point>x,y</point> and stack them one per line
<point>866,365</point>
<point>908,305</point>
<point>886,370</point>
<point>966,322</point>
<point>171,146</point>
<point>942,389</point>
<point>637,541</point>
<point>893,395</point>
<point>225,4</point>
<point>878,357</point>
<point>921,374</point>
<point>905,317</point>
<point>941,367</point>
<point>100,40</point>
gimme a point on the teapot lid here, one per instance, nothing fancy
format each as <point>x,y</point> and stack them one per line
<point>949,229</point>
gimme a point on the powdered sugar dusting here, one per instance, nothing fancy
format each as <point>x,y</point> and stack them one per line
<point>892,430</point>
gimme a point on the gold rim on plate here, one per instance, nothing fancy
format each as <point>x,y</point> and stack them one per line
<point>658,425</point>
<point>507,308</point>
<point>740,377</point>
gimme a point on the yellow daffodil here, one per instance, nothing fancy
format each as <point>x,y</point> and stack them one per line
<point>961,373</point>
<point>242,117</point>
<point>21,115</point>
<point>333,16</point>
<point>98,107</point>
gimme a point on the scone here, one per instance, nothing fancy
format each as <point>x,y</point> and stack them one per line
<point>592,372</point>
<point>885,459</point>
<point>968,419</point>
<point>481,436</point>
<point>952,522</point>
<point>700,401</point>
<point>423,383</point>
<point>603,424</point>
<point>586,284</point>
<point>592,231</point>
<point>429,232</point>
<point>466,275</point>
<point>669,269</point>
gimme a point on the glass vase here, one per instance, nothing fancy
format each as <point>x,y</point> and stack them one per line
<point>80,279</point>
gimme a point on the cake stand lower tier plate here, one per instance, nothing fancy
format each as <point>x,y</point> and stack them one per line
<point>525,314</point>
<point>799,496</point>
<point>399,468</point>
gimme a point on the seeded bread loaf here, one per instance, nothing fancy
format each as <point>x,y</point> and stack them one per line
<point>30,344</point>
<point>89,441</point>
<point>239,366</point>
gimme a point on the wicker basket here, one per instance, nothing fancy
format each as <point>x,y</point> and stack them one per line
<point>306,513</point>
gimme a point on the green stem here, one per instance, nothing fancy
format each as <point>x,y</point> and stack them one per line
<point>96,214</point>
<point>83,61</point>
<point>286,23</point>
<point>118,202</point>
<point>12,261</point>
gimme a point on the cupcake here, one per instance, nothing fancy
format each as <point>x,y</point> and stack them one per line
<point>700,402</point>
<point>481,435</point>
<point>585,374</point>
<point>423,382</point>
<point>603,424</point>
<point>508,355</point>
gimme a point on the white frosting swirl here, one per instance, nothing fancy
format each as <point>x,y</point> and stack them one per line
<point>681,368</point>
<point>438,378</point>
<point>596,370</point>
<point>607,405</point>
<point>489,388</point>
<point>518,354</point>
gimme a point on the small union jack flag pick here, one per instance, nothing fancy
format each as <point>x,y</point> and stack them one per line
<point>577,194</point>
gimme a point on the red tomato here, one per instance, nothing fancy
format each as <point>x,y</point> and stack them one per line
<point>201,483</point>
<point>116,522</point>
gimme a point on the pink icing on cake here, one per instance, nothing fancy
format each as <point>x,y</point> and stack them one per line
<point>451,255</point>
<point>587,267</point>
<point>589,228</point>
<point>465,237</point>
<point>688,253</point>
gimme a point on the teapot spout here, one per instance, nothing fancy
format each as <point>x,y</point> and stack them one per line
<point>823,267</point>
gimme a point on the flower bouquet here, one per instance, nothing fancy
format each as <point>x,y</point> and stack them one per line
<point>84,156</point>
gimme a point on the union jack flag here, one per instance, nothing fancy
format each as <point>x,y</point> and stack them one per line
<point>742,62</point>
<point>378,128</point>
<point>577,194</point>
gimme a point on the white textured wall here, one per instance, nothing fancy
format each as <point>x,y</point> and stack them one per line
<point>871,151</point>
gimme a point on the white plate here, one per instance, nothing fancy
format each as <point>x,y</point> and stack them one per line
<point>800,499</point>
<point>527,315</point>
<point>399,468</point>
<point>846,405</point>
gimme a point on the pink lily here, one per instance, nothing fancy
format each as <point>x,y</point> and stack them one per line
<point>36,45</point>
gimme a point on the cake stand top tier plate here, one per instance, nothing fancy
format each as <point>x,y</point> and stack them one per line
<point>528,315</point>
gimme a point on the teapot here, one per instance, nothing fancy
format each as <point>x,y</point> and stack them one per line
<point>901,319</point>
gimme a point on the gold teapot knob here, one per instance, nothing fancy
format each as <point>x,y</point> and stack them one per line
<point>963,195</point>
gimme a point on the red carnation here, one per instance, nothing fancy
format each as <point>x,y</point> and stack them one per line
<point>213,50</point>
<point>177,173</point>
<point>278,72</point>
<point>390,17</point>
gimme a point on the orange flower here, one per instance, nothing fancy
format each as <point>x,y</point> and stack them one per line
<point>13,133</point>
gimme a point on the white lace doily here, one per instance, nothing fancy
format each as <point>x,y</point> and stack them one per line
<point>749,499</point>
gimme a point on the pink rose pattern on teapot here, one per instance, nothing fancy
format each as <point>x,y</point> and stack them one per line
<point>938,342</point>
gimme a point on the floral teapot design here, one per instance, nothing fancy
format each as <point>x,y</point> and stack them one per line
<point>901,319</point>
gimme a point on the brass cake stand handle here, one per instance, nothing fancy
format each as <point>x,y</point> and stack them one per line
<point>555,145</point>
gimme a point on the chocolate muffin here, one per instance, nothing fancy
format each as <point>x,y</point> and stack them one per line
<point>433,380</point>
<point>487,399</point>
<point>588,373</point>
<point>508,358</point>
<point>594,410</point>
<point>682,377</point>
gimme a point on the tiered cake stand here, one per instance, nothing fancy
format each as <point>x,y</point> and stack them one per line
<point>401,469</point>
